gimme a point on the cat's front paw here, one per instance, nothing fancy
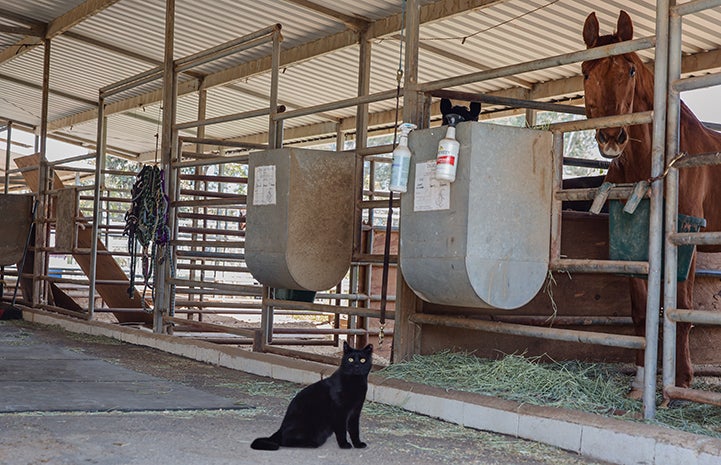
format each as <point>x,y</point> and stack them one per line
<point>360,445</point>
<point>345,445</point>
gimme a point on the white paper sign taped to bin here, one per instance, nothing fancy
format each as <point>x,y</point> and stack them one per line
<point>430,193</point>
<point>264,185</point>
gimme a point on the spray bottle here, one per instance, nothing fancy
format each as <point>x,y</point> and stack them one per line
<point>401,160</point>
<point>447,158</point>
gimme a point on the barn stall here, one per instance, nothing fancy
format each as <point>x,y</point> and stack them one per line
<point>204,104</point>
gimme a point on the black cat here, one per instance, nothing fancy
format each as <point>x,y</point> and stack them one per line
<point>465,114</point>
<point>331,405</point>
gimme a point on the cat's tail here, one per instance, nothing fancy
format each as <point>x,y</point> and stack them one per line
<point>271,443</point>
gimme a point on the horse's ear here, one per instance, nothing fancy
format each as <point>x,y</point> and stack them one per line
<point>590,30</point>
<point>624,28</point>
<point>475,110</point>
<point>445,106</point>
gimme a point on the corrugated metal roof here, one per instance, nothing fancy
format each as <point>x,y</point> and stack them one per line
<point>127,38</point>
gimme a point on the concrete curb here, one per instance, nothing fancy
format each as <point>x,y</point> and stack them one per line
<point>594,436</point>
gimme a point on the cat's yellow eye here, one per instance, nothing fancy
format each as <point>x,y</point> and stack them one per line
<point>350,359</point>
<point>362,360</point>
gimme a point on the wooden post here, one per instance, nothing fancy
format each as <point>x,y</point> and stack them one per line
<point>170,91</point>
<point>407,334</point>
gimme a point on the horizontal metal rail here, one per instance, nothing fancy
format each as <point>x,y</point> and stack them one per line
<point>629,119</point>
<point>700,317</point>
<point>213,178</point>
<point>228,118</point>
<point>622,192</point>
<point>209,217</point>
<point>694,395</point>
<point>206,254</point>
<point>227,48</point>
<point>322,308</point>
<point>583,265</point>
<point>241,159</point>
<point>535,65</point>
<point>586,337</point>
<point>696,238</point>
<point>350,102</point>
<point>197,267</point>
<point>217,202</point>
<point>211,231</point>
<point>86,156</point>
<point>694,6</point>
<point>209,244</point>
<point>248,290</point>
<point>509,102</point>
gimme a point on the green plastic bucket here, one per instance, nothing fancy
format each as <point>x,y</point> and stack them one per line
<point>295,294</point>
<point>628,235</point>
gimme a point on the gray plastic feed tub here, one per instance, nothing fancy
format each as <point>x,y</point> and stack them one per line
<point>483,240</point>
<point>299,229</point>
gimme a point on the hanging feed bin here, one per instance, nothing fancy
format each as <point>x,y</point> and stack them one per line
<point>483,240</point>
<point>17,214</point>
<point>299,228</point>
<point>628,235</point>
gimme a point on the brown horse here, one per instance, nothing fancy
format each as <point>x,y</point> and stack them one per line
<point>622,84</point>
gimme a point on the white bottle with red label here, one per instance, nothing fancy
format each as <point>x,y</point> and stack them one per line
<point>448,147</point>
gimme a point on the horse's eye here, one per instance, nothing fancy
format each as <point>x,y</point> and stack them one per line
<point>362,360</point>
<point>632,71</point>
<point>585,77</point>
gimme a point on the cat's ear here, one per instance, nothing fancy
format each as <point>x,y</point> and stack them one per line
<point>346,347</point>
<point>446,106</point>
<point>368,348</point>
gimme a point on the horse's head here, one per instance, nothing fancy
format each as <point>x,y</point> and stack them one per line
<point>465,113</point>
<point>609,83</point>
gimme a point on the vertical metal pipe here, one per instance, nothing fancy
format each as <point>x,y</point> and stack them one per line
<point>361,133</point>
<point>162,291</point>
<point>556,205</point>
<point>670,249</point>
<point>99,155</point>
<point>655,242</point>
<point>266,317</point>
<point>199,148</point>
<point>273,132</point>
<point>8,153</point>
<point>41,229</point>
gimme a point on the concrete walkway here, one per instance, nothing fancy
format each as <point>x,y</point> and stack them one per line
<point>73,399</point>
<point>221,435</point>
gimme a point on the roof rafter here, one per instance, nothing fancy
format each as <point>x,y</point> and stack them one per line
<point>429,13</point>
<point>56,27</point>
<point>354,23</point>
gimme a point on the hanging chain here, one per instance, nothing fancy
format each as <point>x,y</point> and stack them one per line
<point>389,218</point>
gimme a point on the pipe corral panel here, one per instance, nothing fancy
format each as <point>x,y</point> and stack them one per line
<point>299,225</point>
<point>483,240</point>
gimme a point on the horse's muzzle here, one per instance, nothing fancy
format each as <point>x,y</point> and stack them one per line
<point>611,141</point>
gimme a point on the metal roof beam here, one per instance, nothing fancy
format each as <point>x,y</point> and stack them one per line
<point>383,27</point>
<point>56,27</point>
<point>35,31</point>
<point>59,93</point>
<point>354,23</point>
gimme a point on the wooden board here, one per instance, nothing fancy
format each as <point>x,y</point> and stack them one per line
<point>114,295</point>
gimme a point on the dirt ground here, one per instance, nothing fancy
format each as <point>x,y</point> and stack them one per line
<point>223,436</point>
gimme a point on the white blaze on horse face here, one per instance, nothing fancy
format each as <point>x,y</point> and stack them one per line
<point>609,97</point>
